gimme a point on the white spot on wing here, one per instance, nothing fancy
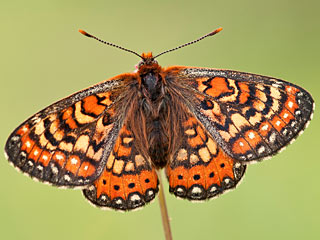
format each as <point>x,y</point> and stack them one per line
<point>251,135</point>
<point>276,85</point>
<point>24,129</point>
<point>135,197</point>
<point>28,144</point>
<point>261,149</point>
<point>307,124</point>
<point>284,132</point>
<point>39,167</point>
<point>54,169</point>
<point>74,161</point>
<point>300,133</point>
<point>6,155</point>
<point>180,190</point>
<point>196,190</point>
<point>272,137</point>
<point>213,189</point>
<point>103,198</point>
<point>311,116</point>
<point>237,165</point>
<point>250,155</point>
<point>67,178</point>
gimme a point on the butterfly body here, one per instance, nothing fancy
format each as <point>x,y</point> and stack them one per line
<point>152,110</point>
<point>202,125</point>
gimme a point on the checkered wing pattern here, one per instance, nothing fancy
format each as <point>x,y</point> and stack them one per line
<point>128,180</point>
<point>251,117</point>
<point>200,169</point>
<point>68,143</point>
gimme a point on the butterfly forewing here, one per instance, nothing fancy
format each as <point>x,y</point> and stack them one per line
<point>67,143</point>
<point>250,116</point>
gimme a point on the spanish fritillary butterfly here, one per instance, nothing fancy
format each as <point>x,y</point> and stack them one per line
<point>202,125</point>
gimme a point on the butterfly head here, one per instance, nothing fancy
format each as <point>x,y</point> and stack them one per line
<point>149,77</point>
<point>147,64</point>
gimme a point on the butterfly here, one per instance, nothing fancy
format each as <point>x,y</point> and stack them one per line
<point>202,125</point>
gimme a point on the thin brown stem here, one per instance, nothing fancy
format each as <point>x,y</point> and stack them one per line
<point>164,211</point>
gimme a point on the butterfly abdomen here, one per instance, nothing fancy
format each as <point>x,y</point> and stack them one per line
<point>158,142</point>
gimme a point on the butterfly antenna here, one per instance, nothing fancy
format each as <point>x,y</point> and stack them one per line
<point>110,44</point>
<point>189,43</point>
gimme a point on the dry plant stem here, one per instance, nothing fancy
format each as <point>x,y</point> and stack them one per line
<point>164,210</point>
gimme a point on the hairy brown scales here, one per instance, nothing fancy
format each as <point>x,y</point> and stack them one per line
<point>155,115</point>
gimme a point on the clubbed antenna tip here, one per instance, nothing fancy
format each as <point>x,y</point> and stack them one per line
<point>108,43</point>
<point>215,31</point>
<point>192,42</point>
<point>85,33</point>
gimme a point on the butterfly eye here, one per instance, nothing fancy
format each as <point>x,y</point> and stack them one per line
<point>142,62</point>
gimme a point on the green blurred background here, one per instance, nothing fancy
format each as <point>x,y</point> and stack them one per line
<point>44,58</point>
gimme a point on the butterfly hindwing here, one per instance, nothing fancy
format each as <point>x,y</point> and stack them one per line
<point>250,116</point>
<point>67,143</point>
<point>200,169</point>
<point>128,180</point>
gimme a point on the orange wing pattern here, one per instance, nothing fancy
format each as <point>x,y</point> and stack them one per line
<point>128,180</point>
<point>200,169</point>
<point>202,125</point>
<point>67,144</point>
<point>250,116</point>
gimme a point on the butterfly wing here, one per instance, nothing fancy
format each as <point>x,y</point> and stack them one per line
<point>200,169</point>
<point>68,143</point>
<point>128,180</point>
<point>250,116</point>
